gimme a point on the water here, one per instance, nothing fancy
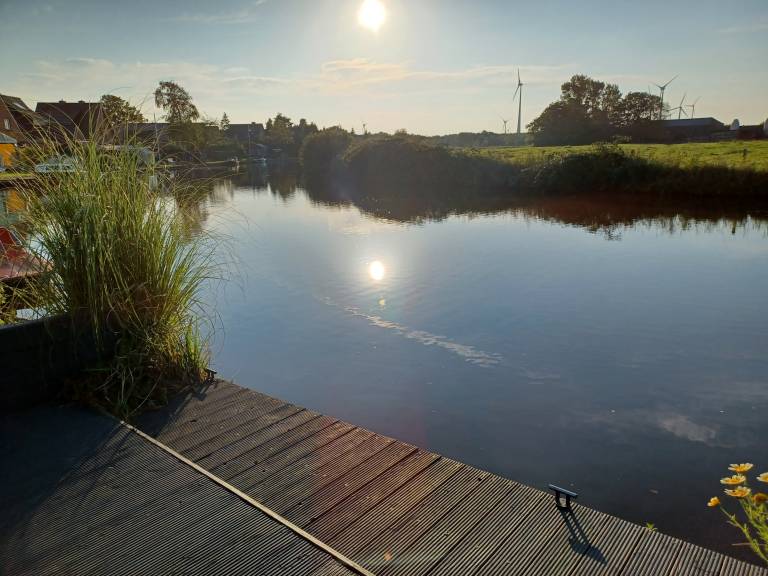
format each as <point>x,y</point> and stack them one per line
<point>618,347</point>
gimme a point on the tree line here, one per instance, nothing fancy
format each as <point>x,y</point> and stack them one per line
<point>192,133</point>
<point>590,110</point>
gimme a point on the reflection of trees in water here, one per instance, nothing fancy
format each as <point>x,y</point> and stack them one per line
<point>605,214</point>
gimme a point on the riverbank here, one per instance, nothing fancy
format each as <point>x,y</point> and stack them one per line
<point>751,155</point>
<point>407,162</point>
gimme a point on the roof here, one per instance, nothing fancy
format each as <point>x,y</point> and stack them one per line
<point>16,104</point>
<point>5,139</point>
<point>693,122</point>
<point>73,116</point>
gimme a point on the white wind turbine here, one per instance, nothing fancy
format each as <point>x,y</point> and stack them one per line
<point>662,88</point>
<point>519,96</point>
<point>693,107</point>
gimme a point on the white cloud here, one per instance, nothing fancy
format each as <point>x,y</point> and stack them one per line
<point>243,16</point>
<point>759,26</point>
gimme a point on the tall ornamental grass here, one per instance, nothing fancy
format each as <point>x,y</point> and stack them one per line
<point>122,266</point>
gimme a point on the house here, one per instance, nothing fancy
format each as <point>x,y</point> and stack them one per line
<point>19,121</point>
<point>691,129</point>
<point>150,133</point>
<point>248,136</point>
<point>7,150</point>
<point>80,120</point>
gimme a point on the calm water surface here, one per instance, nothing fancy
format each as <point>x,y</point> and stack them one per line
<point>614,347</point>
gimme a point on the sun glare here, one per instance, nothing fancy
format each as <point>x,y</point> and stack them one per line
<point>376,270</point>
<point>371,15</point>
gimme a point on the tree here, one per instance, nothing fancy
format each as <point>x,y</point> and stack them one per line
<point>118,111</point>
<point>279,134</point>
<point>176,102</point>
<point>639,107</point>
<point>590,110</point>
<point>562,123</point>
<point>224,124</point>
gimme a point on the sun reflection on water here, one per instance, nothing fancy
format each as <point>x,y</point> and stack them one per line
<point>376,270</point>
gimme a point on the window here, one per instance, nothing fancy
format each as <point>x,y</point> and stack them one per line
<point>6,124</point>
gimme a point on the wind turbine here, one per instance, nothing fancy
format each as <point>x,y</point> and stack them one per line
<point>519,96</point>
<point>505,125</point>
<point>693,107</point>
<point>679,109</point>
<point>661,88</point>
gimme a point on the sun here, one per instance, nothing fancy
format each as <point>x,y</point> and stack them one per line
<point>371,15</point>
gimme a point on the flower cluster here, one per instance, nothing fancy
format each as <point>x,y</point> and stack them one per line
<point>753,507</point>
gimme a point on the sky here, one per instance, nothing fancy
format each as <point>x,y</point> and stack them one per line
<point>433,67</point>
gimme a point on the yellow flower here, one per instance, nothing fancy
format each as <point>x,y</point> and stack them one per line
<point>760,498</point>
<point>741,468</point>
<point>740,492</point>
<point>734,480</point>
<point>714,501</point>
<point>763,477</point>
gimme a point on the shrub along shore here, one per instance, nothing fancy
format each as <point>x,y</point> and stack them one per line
<point>335,158</point>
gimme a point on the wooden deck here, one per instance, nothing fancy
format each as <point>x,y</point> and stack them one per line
<point>399,510</point>
<point>84,495</point>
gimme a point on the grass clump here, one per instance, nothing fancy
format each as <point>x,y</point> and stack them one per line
<point>122,266</point>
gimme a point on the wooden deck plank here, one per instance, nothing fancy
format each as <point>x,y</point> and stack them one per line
<point>656,555</point>
<point>198,415</point>
<point>611,548</point>
<point>487,537</point>
<point>276,463</point>
<point>417,559</point>
<point>272,429</point>
<point>305,469</point>
<point>231,429</point>
<point>396,538</point>
<point>697,561</point>
<point>323,500</point>
<point>402,511</point>
<point>396,506</point>
<point>85,495</point>
<point>245,453</point>
<point>356,463</point>
<point>329,524</point>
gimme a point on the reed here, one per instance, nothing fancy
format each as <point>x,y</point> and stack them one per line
<point>123,267</point>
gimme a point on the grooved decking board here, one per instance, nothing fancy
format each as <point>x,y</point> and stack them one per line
<point>240,456</point>
<point>323,461</point>
<point>304,448</point>
<point>83,494</point>
<point>401,511</point>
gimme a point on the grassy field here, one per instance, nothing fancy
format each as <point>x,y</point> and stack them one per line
<point>747,155</point>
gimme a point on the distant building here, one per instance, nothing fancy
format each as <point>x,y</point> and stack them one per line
<point>80,120</point>
<point>248,136</point>
<point>7,150</point>
<point>19,121</point>
<point>693,129</point>
<point>149,132</point>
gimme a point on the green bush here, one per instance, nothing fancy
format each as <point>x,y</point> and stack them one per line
<point>410,161</point>
<point>321,150</point>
